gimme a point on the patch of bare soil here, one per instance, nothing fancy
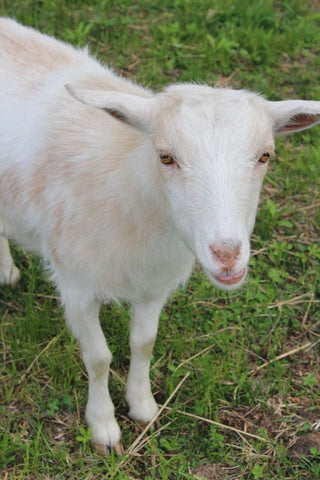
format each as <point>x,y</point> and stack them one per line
<point>283,419</point>
<point>304,443</point>
<point>213,471</point>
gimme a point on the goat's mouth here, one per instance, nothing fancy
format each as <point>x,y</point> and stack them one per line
<point>231,279</point>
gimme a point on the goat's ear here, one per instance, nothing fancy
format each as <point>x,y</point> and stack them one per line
<point>130,109</point>
<point>291,116</point>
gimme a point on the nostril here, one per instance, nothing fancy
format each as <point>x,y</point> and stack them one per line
<point>224,255</point>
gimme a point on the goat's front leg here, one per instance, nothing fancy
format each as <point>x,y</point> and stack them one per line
<point>9,273</point>
<point>83,321</point>
<point>143,331</point>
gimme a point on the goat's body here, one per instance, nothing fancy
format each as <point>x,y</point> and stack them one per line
<point>121,211</point>
<point>74,194</point>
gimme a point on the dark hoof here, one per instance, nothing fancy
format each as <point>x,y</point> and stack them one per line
<point>104,450</point>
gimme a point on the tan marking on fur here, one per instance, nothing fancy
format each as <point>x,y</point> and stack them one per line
<point>55,234</point>
<point>32,55</point>
<point>77,142</point>
<point>30,49</point>
<point>11,185</point>
<point>54,255</point>
<point>38,182</point>
<point>86,179</point>
<point>146,349</point>
<point>112,82</point>
<point>100,369</point>
<point>62,166</point>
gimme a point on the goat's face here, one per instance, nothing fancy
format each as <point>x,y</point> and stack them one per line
<point>212,148</point>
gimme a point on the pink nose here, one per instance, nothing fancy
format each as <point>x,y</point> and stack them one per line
<point>225,255</point>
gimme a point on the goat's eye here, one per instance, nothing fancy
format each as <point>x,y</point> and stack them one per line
<point>167,159</point>
<point>264,158</point>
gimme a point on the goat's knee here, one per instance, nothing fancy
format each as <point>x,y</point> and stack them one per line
<point>97,365</point>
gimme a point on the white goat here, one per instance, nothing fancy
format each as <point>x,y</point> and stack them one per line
<point>121,192</point>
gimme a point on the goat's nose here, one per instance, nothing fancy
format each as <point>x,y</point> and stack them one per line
<point>225,255</point>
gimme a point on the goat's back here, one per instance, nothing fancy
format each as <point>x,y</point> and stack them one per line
<point>76,185</point>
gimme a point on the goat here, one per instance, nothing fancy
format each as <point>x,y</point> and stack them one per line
<point>120,189</point>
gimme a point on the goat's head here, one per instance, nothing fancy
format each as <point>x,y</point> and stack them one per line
<point>212,148</point>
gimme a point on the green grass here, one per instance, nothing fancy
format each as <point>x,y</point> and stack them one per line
<point>268,46</point>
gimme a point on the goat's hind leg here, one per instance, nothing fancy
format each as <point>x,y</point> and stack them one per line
<point>9,273</point>
<point>83,321</point>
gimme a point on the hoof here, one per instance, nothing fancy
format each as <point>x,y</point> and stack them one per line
<point>104,450</point>
<point>118,448</point>
<point>142,425</point>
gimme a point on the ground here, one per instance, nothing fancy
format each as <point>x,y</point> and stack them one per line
<point>248,407</point>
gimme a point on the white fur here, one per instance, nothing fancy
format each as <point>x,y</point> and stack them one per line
<point>89,193</point>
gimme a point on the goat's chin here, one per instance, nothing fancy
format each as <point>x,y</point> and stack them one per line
<point>226,286</point>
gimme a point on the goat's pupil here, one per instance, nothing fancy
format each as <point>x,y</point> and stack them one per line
<point>166,159</point>
<point>264,158</point>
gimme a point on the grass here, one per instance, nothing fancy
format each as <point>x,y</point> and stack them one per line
<point>218,339</point>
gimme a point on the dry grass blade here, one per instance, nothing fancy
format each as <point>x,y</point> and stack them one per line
<point>117,376</point>
<point>23,376</point>
<point>314,333</point>
<point>136,442</point>
<point>41,295</point>
<point>255,253</point>
<point>293,301</point>
<point>145,440</point>
<point>283,355</point>
<point>218,424</point>
<point>305,316</point>
<point>188,360</point>
<point>313,205</point>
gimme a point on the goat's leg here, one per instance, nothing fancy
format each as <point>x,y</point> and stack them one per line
<point>83,322</point>
<point>143,331</point>
<point>9,273</point>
